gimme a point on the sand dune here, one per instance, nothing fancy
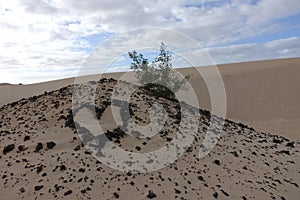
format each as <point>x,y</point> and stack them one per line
<point>263,94</point>
<point>42,156</point>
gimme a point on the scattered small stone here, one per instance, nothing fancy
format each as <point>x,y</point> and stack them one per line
<point>22,190</point>
<point>68,193</point>
<point>201,178</point>
<point>57,188</point>
<point>151,194</point>
<point>81,170</point>
<point>217,162</point>
<point>177,191</point>
<point>235,154</point>
<point>215,195</point>
<point>129,173</point>
<point>285,152</point>
<point>138,148</point>
<point>70,121</point>
<point>22,148</point>
<point>116,195</point>
<point>77,148</point>
<point>8,148</point>
<point>39,169</point>
<point>87,153</point>
<point>290,144</point>
<point>51,145</point>
<point>38,147</point>
<point>26,138</point>
<point>225,193</point>
<point>63,168</point>
<point>38,187</point>
<point>277,141</point>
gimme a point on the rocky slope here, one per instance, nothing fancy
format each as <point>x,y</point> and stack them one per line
<point>42,156</point>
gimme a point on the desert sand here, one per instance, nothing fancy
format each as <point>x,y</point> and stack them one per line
<point>263,94</point>
<point>42,156</point>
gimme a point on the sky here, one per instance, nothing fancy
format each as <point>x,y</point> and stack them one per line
<point>42,40</point>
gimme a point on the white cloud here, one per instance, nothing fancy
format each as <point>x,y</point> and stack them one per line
<point>283,48</point>
<point>56,34</point>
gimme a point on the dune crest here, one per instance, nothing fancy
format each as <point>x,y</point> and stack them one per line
<point>258,93</point>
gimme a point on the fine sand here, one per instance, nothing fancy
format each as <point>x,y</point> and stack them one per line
<point>42,156</point>
<point>262,94</point>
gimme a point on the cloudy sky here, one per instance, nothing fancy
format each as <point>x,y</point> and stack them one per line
<point>44,40</point>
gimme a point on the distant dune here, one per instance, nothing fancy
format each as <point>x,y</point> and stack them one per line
<point>263,94</point>
<point>3,84</point>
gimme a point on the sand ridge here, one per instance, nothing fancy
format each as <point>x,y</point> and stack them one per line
<point>263,94</point>
<point>42,157</point>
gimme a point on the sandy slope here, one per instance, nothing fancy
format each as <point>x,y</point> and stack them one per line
<point>263,94</point>
<point>48,162</point>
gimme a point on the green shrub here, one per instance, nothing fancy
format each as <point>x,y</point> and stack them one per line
<point>158,77</point>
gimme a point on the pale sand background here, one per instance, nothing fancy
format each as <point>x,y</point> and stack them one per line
<point>263,94</point>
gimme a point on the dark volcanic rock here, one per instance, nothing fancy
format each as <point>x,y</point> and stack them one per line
<point>177,191</point>
<point>38,147</point>
<point>26,138</point>
<point>77,148</point>
<point>39,169</point>
<point>33,98</point>
<point>129,173</point>
<point>50,145</point>
<point>217,162</point>
<point>68,192</point>
<point>70,120</point>
<point>284,152</point>
<point>63,168</point>
<point>277,140</point>
<point>216,195</point>
<point>116,195</point>
<point>138,148</point>
<point>225,193</point>
<point>235,153</point>
<point>81,170</point>
<point>8,148</point>
<point>22,190</point>
<point>22,148</point>
<point>99,111</point>
<point>290,144</point>
<point>116,134</point>
<point>38,187</point>
<point>151,194</point>
<point>201,178</point>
